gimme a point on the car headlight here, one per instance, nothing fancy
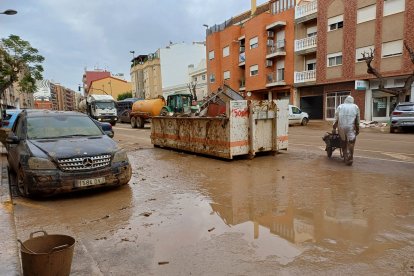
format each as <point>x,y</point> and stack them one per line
<point>120,156</point>
<point>36,163</point>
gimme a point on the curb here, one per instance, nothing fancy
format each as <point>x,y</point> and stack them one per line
<point>9,253</point>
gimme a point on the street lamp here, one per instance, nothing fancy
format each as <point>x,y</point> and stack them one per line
<point>133,57</point>
<point>9,12</point>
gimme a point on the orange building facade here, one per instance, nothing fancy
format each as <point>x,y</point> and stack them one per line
<point>253,53</point>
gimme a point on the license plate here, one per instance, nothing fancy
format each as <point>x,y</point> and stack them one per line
<point>90,182</point>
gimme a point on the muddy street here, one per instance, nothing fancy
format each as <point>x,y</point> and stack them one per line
<point>294,213</point>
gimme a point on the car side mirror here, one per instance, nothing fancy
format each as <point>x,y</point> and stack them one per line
<point>12,139</point>
<point>109,133</point>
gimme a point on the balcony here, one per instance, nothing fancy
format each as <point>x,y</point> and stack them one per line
<point>306,45</point>
<point>278,49</point>
<point>305,76</point>
<point>276,78</point>
<point>306,12</point>
<point>242,59</point>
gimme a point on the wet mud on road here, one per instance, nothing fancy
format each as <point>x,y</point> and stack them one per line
<point>295,213</point>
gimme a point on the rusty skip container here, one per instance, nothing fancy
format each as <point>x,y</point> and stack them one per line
<point>142,110</point>
<point>47,255</point>
<point>248,128</point>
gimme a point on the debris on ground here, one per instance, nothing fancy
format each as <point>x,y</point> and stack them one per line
<point>123,208</point>
<point>151,199</point>
<point>146,214</point>
<point>105,217</point>
<point>211,229</point>
<point>367,124</point>
<point>163,263</point>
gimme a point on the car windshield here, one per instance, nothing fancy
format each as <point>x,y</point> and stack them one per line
<point>105,105</point>
<point>61,126</point>
<point>405,107</point>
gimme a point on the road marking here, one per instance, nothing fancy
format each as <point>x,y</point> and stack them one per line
<point>359,139</point>
<point>396,155</point>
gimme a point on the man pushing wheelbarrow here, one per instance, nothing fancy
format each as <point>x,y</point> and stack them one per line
<point>347,122</point>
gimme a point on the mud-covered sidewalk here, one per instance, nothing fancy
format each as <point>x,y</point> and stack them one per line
<point>9,255</point>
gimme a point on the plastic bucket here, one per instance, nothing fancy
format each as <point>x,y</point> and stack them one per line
<point>47,255</point>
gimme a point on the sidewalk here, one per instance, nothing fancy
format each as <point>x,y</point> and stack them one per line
<point>9,251</point>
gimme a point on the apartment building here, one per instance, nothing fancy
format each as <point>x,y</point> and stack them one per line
<point>146,76</point>
<point>253,52</point>
<point>165,71</point>
<point>330,38</point>
<point>109,86</point>
<point>91,75</point>
<point>62,98</point>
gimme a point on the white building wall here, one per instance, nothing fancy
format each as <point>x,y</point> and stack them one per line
<point>198,75</point>
<point>43,90</point>
<point>175,59</point>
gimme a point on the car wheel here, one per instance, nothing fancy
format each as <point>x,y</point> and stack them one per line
<point>113,123</point>
<point>304,121</point>
<point>140,122</point>
<point>133,122</point>
<point>21,185</point>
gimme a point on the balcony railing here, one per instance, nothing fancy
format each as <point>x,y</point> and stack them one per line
<point>276,78</point>
<point>242,57</point>
<point>305,76</point>
<point>305,43</point>
<point>278,47</point>
<point>305,10</point>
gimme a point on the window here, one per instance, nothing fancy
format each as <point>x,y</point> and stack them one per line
<point>311,31</point>
<point>335,23</point>
<point>254,70</point>
<point>212,78</point>
<point>226,51</point>
<point>333,100</point>
<point>393,6</point>
<point>360,51</point>
<point>254,42</point>
<point>334,59</point>
<point>366,14</point>
<point>392,48</point>
<point>211,55</point>
<point>203,77</point>
<point>311,64</point>
<point>226,75</point>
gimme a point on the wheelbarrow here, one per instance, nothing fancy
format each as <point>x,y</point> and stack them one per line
<point>333,142</point>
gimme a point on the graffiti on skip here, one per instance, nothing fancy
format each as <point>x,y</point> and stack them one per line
<point>240,112</point>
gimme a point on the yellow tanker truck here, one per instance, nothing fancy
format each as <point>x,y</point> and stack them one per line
<point>145,109</point>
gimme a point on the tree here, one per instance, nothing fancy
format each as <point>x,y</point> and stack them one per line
<point>19,62</point>
<point>124,96</point>
<point>400,92</point>
<point>192,87</point>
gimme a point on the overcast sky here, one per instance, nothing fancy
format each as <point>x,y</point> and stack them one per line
<point>74,34</point>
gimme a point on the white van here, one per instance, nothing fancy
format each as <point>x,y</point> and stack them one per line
<point>297,116</point>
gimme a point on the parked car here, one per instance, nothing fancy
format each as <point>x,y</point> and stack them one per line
<point>8,118</point>
<point>297,116</point>
<point>402,116</point>
<point>106,127</point>
<point>53,152</point>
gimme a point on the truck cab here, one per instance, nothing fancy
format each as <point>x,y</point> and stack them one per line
<point>101,108</point>
<point>179,103</point>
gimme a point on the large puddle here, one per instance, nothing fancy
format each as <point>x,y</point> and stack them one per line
<point>297,211</point>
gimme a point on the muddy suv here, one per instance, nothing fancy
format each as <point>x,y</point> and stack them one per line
<point>61,151</point>
<point>402,117</point>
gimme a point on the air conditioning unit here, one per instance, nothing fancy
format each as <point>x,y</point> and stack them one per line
<point>270,34</point>
<point>270,42</point>
<point>269,63</point>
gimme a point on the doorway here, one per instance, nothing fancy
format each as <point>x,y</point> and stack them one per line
<point>312,105</point>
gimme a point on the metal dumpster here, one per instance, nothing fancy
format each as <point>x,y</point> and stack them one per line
<point>248,127</point>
